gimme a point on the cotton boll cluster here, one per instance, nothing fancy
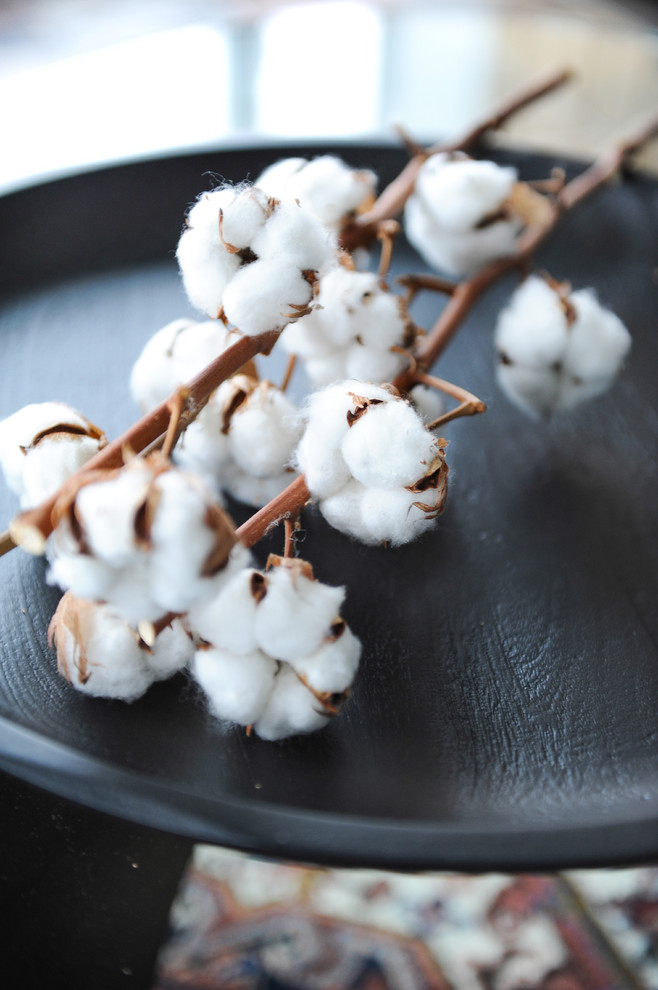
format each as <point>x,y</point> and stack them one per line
<point>275,655</point>
<point>462,214</point>
<point>99,654</point>
<point>325,185</point>
<point>359,329</point>
<point>251,259</point>
<point>147,539</point>
<point>41,445</point>
<point>557,348</point>
<point>243,440</point>
<point>375,469</point>
<point>174,356</point>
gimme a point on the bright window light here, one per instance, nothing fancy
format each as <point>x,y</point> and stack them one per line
<point>320,70</point>
<point>163,91</point>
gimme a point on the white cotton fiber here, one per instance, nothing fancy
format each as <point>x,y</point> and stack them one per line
<point>428,402</point>
<point>452,196</point>
<point>532,329</point>
<point>100,655</point>
<point>174,356</point>
<point>291,709</point>
<point>307,337</point>
<point>264,431</point>
<point>459,192</point>
<point>266,295</point>
<point>181,543</point>
<point>325,185</point>
<point>534,390</point>
<point>41,445</point>
<point>327,370</point>
<point>237,687</point>
<point>250,489</point>
<point>244,216</point>
<point>332,668</point>
<point>557,349</point>
<point>397,516</point>
<point>206,266</point>
<point>106,511</point>
<point>389,446</point>
<point>294,234</point>
<point>598,342</point>
<point>378,365</point>
<point>227,619</point>
<point>295,615</point>
<point>344,511</point>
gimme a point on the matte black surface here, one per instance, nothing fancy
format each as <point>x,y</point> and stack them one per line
<point>505,714</point>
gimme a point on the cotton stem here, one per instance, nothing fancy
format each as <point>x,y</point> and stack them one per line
<point>391,200</point>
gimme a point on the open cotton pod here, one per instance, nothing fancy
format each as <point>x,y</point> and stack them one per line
<point>148,539</point>
<point>325,185</point>
<point>43,444</point>
<point>360,329</point>
<point>251,259</point>
<point>465,212</point>
<point>274,653</point>
<point>557,348</point>
<point>174,356</point>
<point>99,654</point>
<point>376,471</point>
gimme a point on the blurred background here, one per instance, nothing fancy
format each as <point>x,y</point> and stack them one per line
<point>83,82</point>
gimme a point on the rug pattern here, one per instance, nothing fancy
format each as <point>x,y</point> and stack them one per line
<point>241,923</point>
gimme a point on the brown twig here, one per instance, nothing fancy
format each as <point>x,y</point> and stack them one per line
<point>287,505</point>
<point>469,404</point>
<point>389,204</point>
<point>31,529</point>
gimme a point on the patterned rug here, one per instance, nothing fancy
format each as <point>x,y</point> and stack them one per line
<point>241,923</point>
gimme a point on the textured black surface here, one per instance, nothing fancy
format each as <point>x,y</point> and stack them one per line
<point>505,714</point>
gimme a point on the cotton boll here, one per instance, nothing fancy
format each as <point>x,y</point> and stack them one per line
<point>244,216</point>
<point>291,709</point>
<point>206,266</point>
<point>332,189</point>
<point>171,652</point>
<point>532,330</point>
<point>227,620</point>
<point>49,464</point>
<point>428,402</point>
<point>459,192</point>
<point>295,615</point>
<point>173,356</point>
<point>325,185</point>
<point>41,445</point>
<point>251,490</point>
<point>534,390</point>
<point>237,687</point>
<point>84,575</point>
<point>106,511</point>
<point>397,516</point>
<point>295,234</point>
<point>264,431</point>
<point>327,370</point>
<point>266,295</point>
<point>344,511</point>
<point>598,341</point>
<point>275,178</point>
<point>99,654</point>
<point>459,253</point>
<point>370,363</point>
<point>203,448</point>
<point>332,668</point>
<point>307,338</point>
<point>183,542</point>
<point>389,446</point>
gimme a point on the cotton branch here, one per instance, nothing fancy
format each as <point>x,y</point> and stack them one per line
<point>391,200</point>
<point>31,529</point>
<point>466,293</point>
